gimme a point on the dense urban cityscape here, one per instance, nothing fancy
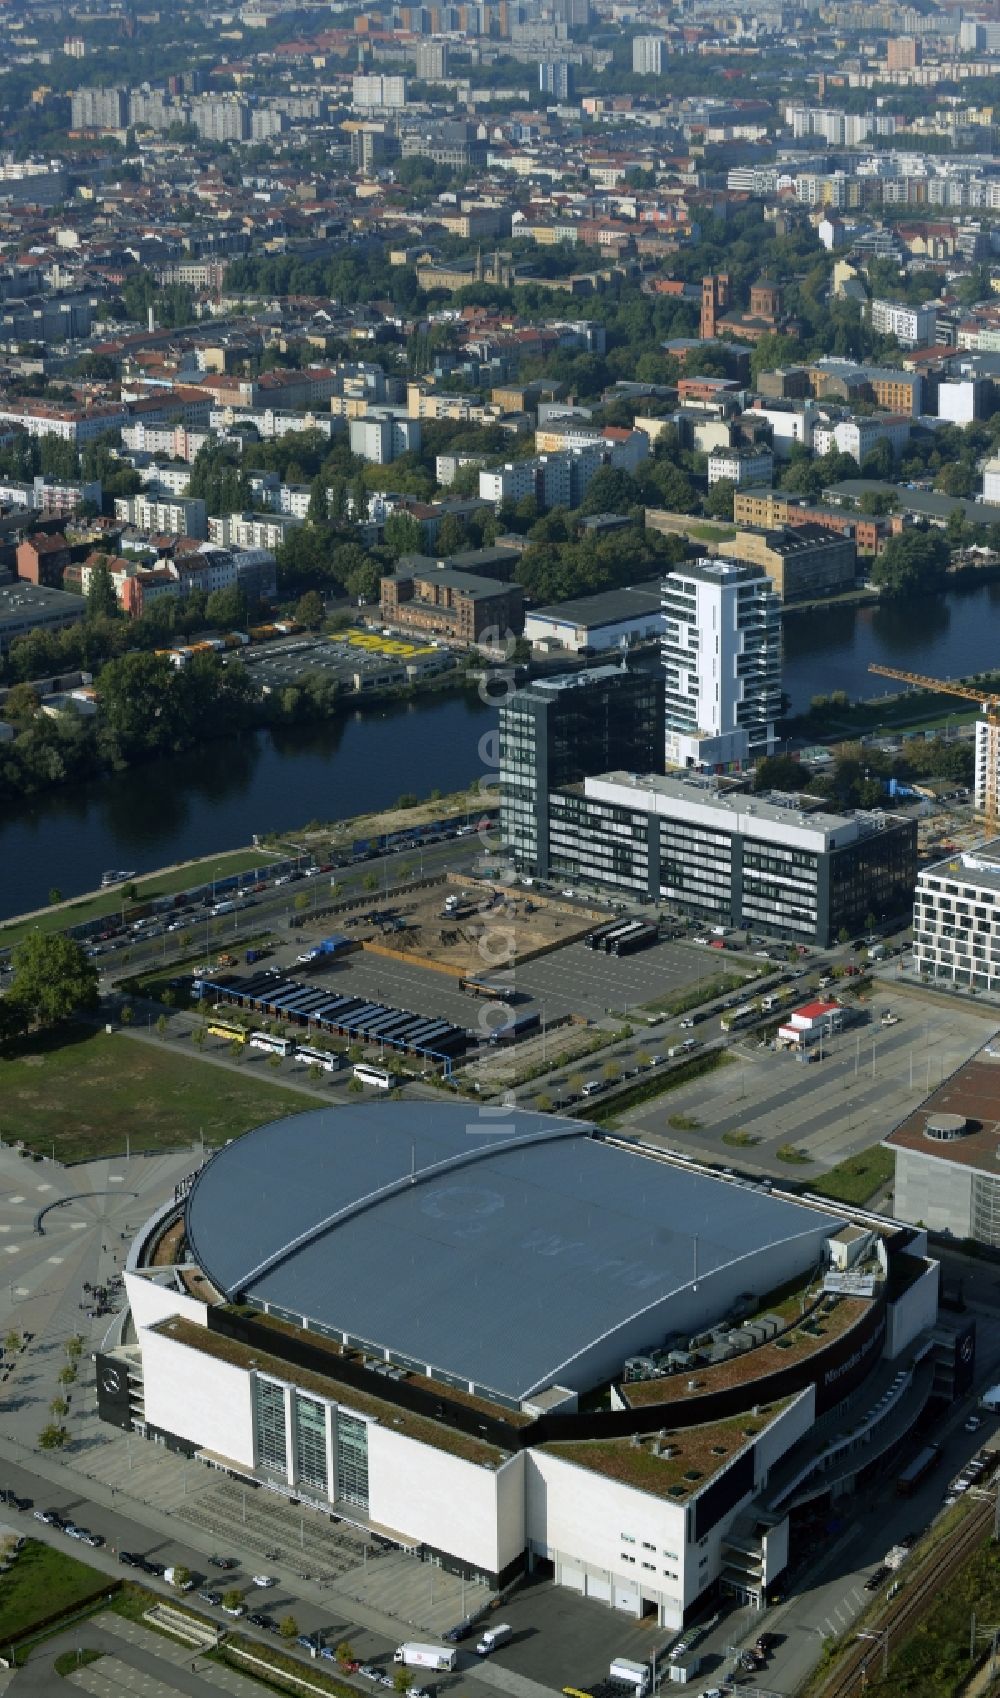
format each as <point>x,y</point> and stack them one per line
<point>500,809</point>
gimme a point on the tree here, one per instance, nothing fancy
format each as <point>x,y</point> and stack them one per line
<point>12,1341</point>
<point>363,582</point>
<point>181,1577</point>
<point>344,1653</point>
<point>58,1408</point>
<point>403,534</point>
<point>74,1347</point>
<point>402,1680</point>
<point>161,1025</point>
<point>52,978</point>
<point>199,1036</point>
<point>126,1014</point>
<point>780,772</point>
<point>227,609</point>
<point>52,1437</point>
<point>289,1628</point>
<point>718,503</point>
<point>102,602</point>
<point>67,1374</point>
<point>55,896</point>
<point>21,705</point>
<point>232,1598</point>
<point>309,610</point>
<point>914,563</point>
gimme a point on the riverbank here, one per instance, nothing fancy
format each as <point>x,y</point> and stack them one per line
<point>315,840</point>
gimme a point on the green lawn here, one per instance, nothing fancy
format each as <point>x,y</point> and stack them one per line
<point>156,884</point>
<point>78,1093</point>
<point>857,1178</point>
<point>42,1583</point>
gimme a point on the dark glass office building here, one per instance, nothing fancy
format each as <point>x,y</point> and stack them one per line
<point>558,731</point>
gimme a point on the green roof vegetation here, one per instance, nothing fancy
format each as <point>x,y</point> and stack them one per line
<point>688,1457</point>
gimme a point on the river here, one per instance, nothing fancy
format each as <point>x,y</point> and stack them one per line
<point>217,797</point>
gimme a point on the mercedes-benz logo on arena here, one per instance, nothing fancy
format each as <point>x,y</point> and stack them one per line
<point>967,1348</point>
<point>111,1380</point>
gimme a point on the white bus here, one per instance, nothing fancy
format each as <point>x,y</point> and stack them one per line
<point>739,1016</point>
<point>310,1056</point>
<point>378,1077</point>
<point>275,1046</point>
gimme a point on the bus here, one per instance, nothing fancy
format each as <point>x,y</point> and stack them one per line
<point>916,1472</point>
<point>379,1078</point>
<point>484,987</point>
<point>739,1016</point>
<point>224,1029</point>
<point>274,1045</point>
<point>312,1056</point>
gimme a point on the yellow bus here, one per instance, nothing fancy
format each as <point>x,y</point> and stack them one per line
<point>232,1034</point>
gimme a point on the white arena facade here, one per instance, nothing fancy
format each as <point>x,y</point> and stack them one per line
<point>507,1340</point>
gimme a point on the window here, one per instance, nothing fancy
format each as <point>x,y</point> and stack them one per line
<point>352,1459</point>
<point>310,1443</point>
<point>269,1410</point>
<point>628,1538</point>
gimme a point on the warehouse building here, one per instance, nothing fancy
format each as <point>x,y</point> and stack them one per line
<point>800,560</point>
<point>593,624</point>
<point>393,1321</point>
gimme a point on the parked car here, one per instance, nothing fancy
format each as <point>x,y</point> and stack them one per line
<point>128,1559</point>
<point>264,1580</point>
<point>223,1562</point>
<point>51,1517</point>
<point>233,1609</point>
<point>95,1540</point>
<point>973,1424</point>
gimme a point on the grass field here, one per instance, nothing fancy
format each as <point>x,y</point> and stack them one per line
<point>42,1583</point>
<point>857,1178</point>
<point>78,1094</point>
<point>157,884</point>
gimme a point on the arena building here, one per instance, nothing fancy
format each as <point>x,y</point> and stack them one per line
<point>506,1340</point>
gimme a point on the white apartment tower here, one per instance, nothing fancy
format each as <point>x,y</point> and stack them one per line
<point>722,659</point>
<point>648,53</point>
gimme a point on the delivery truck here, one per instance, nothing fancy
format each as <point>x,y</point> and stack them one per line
<point>414,1656</point>
<point>492,1638</point>
<point>635,1675</point>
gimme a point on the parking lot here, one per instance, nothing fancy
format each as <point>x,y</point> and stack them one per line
<point>281,665</point>
<point>577,980</point>
<point>561,1639</point>
<point>868,1079</point>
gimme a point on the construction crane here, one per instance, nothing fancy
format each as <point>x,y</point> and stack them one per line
<point>987,792</point>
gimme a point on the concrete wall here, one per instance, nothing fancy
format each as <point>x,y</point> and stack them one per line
<point>577,1519</point>
<point>934,1191</point>
<point>913,1312</point>
<point>152,1302</point>
<point>439,1499</point>
<point>198,1398</point>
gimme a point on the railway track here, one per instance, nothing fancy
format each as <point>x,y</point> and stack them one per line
<point>851,1674</point>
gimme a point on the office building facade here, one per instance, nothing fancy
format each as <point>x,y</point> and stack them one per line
<point>556,731</point>
<point>728,859</point>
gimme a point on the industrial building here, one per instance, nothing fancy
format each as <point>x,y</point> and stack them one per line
<point>457,605</point>
<point>370,1311</point>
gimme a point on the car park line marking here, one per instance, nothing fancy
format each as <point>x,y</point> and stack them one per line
<point>12,1249</point>
<point>15,1199</point>
<point>116,1179</point>
<point>78,1226</point>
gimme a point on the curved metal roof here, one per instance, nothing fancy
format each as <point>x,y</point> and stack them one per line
<point>497,1247</point>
